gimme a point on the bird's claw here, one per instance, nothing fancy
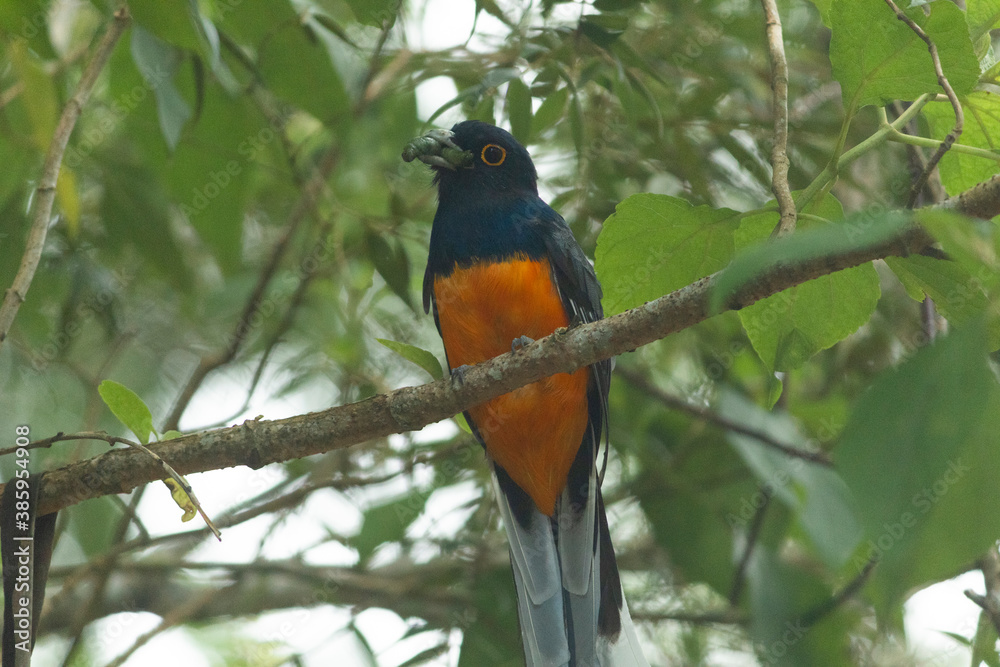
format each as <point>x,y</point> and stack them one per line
<point>458,375</point>
<point>520,343</point>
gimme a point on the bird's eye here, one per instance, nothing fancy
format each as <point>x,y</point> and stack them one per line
<point>493,155</point>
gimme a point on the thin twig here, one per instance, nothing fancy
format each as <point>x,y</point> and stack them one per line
<point>956,131</point>
<point>739,578</point>
<point>46,192</point>
<point>175,617</point>
<point>779,152</point>
<point>990,603</point>
<point>208,363</point>
<point>65,437</point>
<point>721,617</point>
<point>676,403</point>
<point>112,440</point>
<point>812,616</point>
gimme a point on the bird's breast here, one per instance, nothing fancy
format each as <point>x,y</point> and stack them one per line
<point>533,432</point>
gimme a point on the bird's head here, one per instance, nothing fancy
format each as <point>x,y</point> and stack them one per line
<point>475,158</point>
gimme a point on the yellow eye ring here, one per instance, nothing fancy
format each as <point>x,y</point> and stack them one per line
<point>493,155</point>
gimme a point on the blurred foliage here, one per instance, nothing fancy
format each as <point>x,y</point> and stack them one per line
<point>234,147</point>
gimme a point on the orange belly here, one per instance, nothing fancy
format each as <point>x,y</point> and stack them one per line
<point>533,432</point>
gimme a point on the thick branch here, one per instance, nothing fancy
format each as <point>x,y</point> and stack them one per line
<point>258,443</point>
<point>45,194</point>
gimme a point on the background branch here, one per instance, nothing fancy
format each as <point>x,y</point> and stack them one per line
<point>956,131</point>
<point>45,193</point>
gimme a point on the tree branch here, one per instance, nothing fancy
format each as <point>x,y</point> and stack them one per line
<point>45,194</point>
<point>779,152</point>
<point>956,131</point>
<point>990,603</point>
<point>642,383</point>
<point>209,362</point>
<point>257,443</point>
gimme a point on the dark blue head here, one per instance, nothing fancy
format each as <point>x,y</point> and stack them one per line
<point>500,165</point>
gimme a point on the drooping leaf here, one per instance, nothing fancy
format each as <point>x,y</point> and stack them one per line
<point>654,244</point>
<point>918,457</point>
<point>550,111</point>
<point>39,93</point>
<point>817,496</point>
<point>957,295</point>
<point>388,522</point>
<point>130,410</point>
<point>419,356</point>
<point>158,62</point>
<point>519,110</point>
<point>299,70</point>
<point>392,263</point>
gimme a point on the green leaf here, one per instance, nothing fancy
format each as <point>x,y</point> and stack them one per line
<point>134,210</point>
<point>392,263</point>
<point>982,16</point>
<point>298,68</point>
<point>491,636</point>
<point>92,524</point>
<point>957,295</point>
<point>27,21</point>
<point>173,22</point>
<point>130,410</point>
<point>654,244</point>
<point>419,356</point>
<point>856,231</point>
<point>388,522</point>
<point>550,111</point>
<point>984,644</point>
<point>960,171</point>
<point>519,110</point>
<point>462,423</point>
<point>817,496</point>
<point>171,435</point>
<point>39,93</point>
<point>970,242</point>
<point>919,456</point>
<point>699,542</point>
<point>788,328</point>
<point>877,58</point>
<point>375,12</point>
<point>782,597</point>
<point>158,62</point>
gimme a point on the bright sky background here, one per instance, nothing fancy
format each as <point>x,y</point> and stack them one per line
<point>319,632</point>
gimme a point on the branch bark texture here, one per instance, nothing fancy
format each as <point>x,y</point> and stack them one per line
<point>258,443</point>
<point>779,153</point>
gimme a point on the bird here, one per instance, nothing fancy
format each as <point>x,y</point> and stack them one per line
<point>504,270</point>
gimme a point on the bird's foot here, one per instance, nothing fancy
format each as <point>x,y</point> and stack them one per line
<point>458,375</point>
<point>520,343</point>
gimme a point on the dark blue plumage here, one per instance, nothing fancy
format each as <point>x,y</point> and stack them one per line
<point>490,216</point>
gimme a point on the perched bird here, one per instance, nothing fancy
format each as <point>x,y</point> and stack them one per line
<point>503,270</point>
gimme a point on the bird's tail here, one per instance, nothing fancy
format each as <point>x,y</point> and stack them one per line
<point>570,602</point>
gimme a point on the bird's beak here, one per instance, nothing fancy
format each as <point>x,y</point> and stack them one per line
<point>437,149</point>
